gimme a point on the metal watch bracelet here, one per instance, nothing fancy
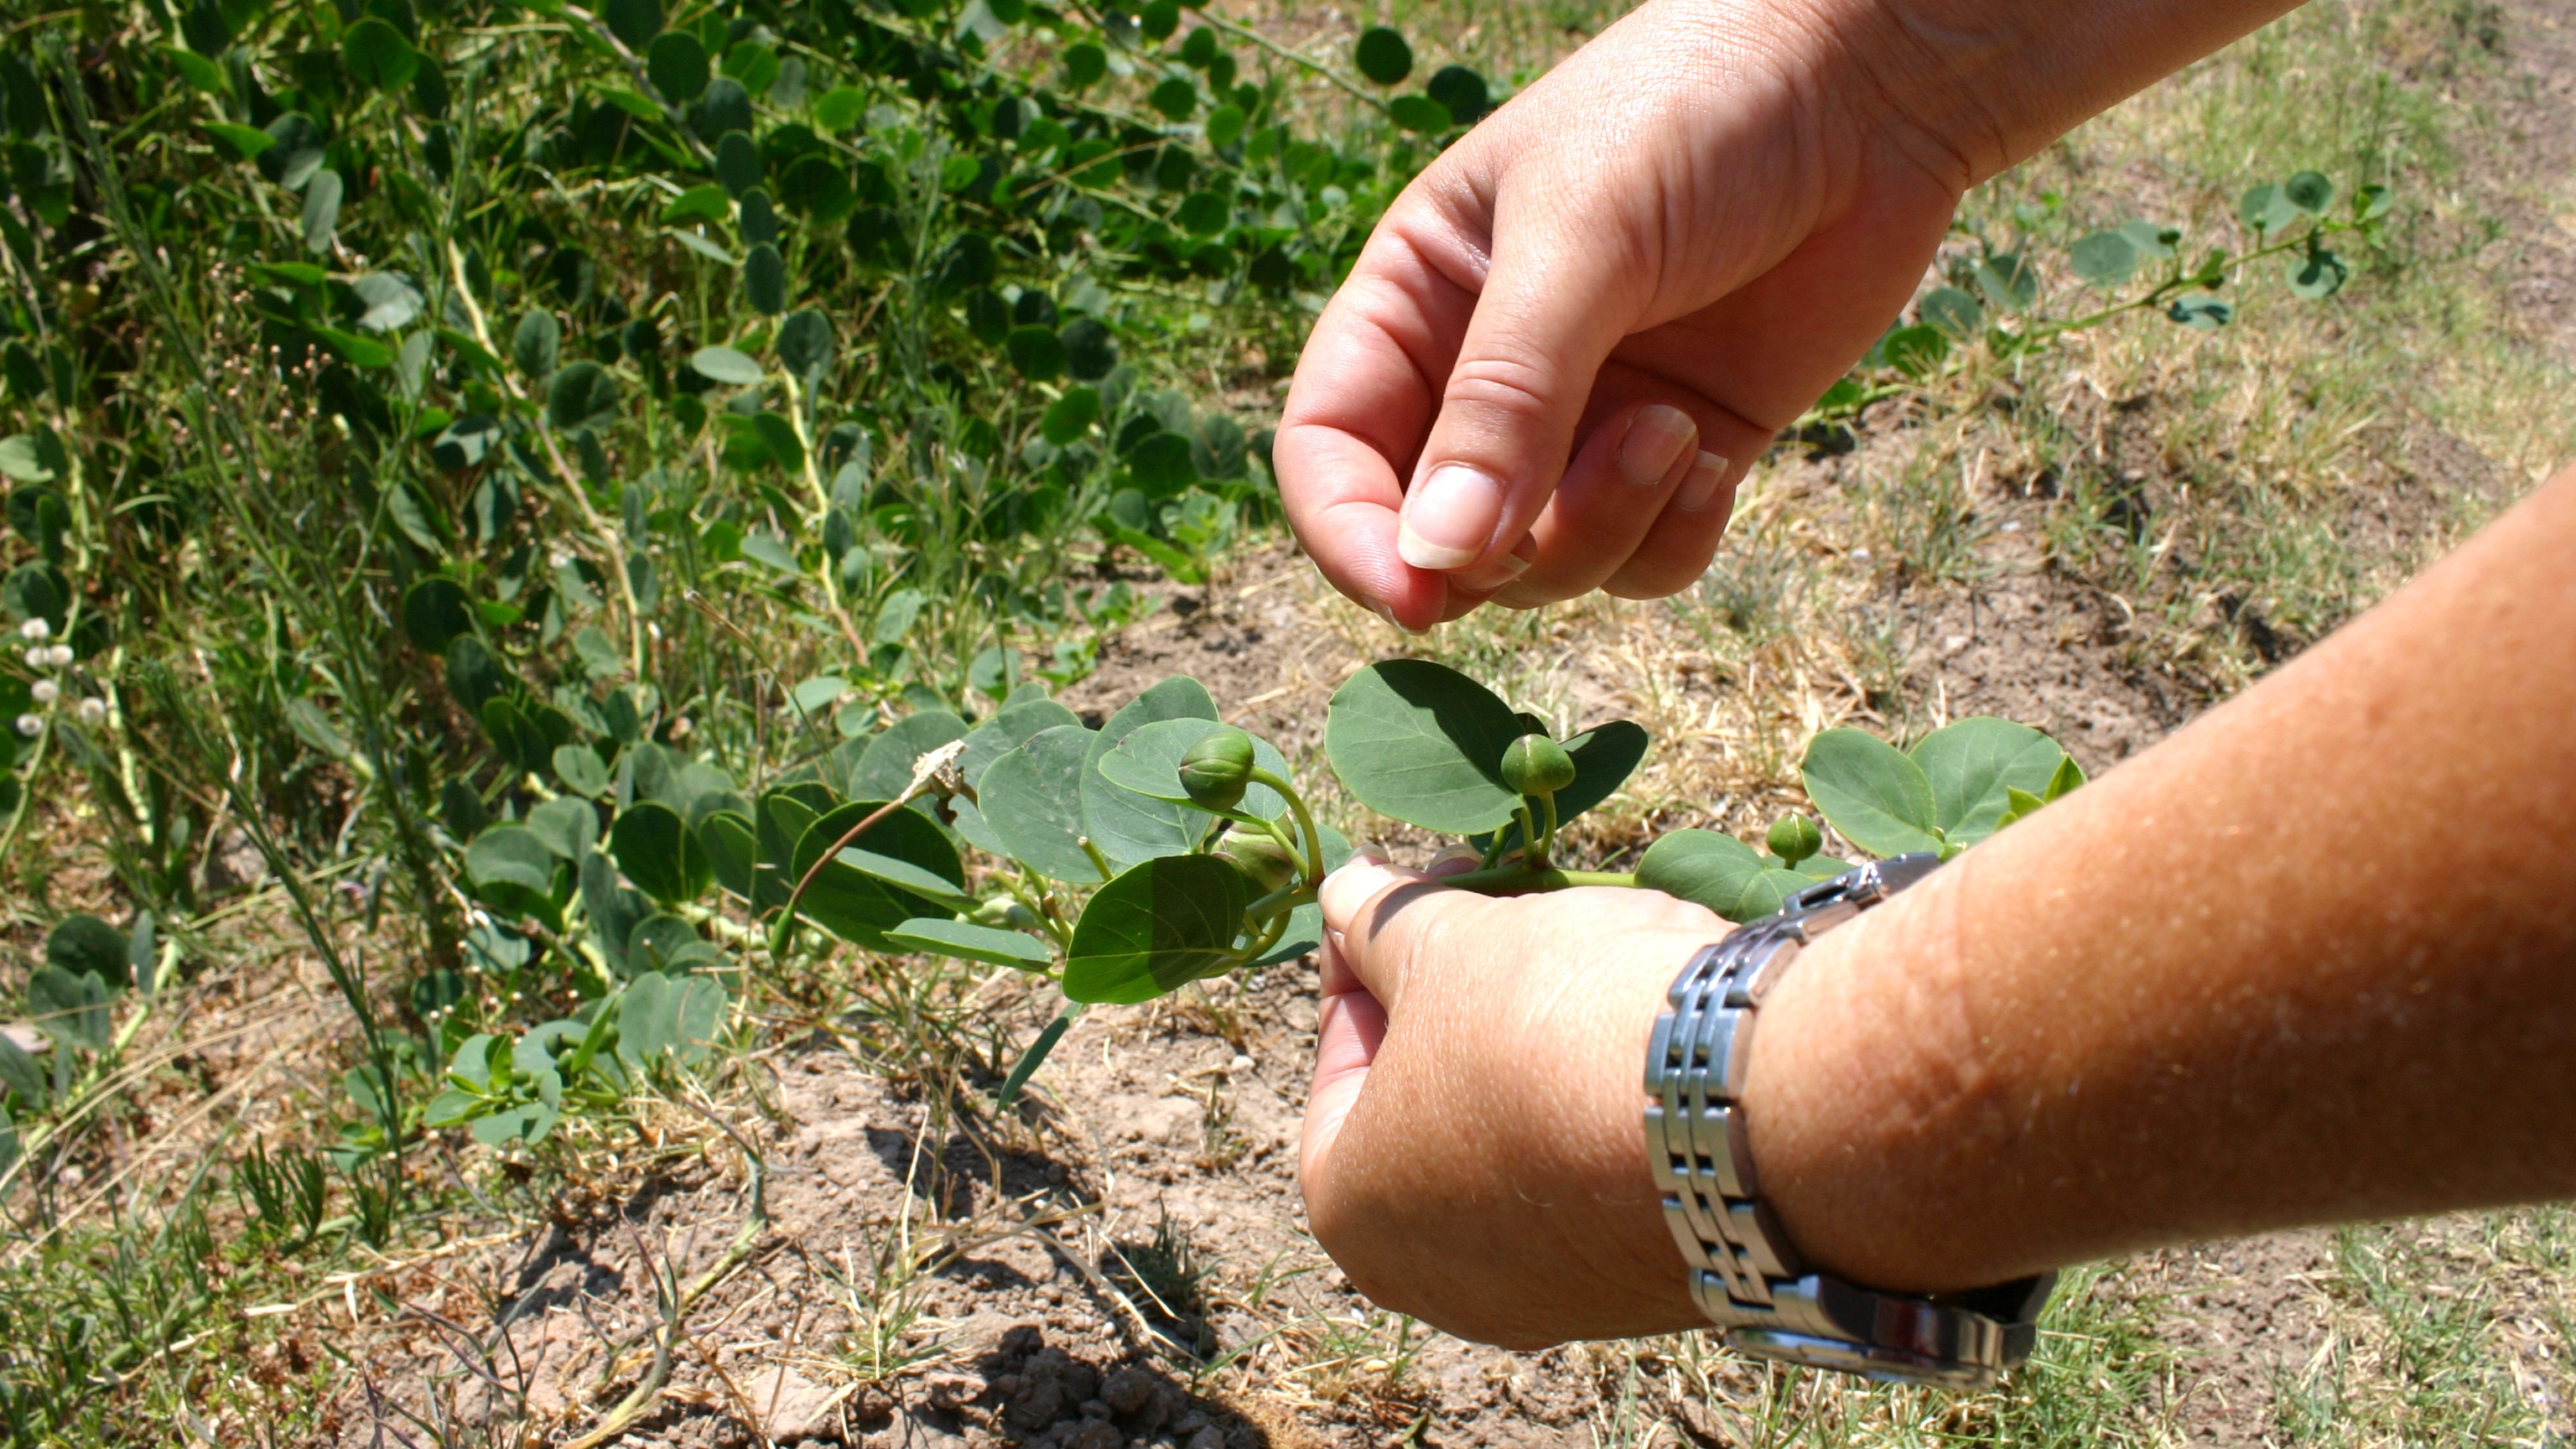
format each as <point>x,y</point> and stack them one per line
<point>1745,1275</point>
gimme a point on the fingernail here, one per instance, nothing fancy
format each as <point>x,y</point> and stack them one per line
<point>1655,441</point>
<point>1387,612</point>
<point>1700,484</point>
<point>1449,517</point>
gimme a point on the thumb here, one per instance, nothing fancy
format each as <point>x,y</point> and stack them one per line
<point>1556,299</point>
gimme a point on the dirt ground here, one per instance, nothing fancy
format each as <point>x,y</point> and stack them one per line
<point>1126,1265</point>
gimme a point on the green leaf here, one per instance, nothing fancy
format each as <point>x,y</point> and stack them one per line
<point>840,108</point>
<point>83,943</point>
<point>2201,311</point>
<point>200,73</point>
<point>1382,56</point>
<point>435,611</point>
<point>580,393</point>
<point>2068,778</point>
<point>2105,260</point>
<point>1157,927</point>
<point>1719,872</point>
<point>723,364</point>
<point>1420,115</point>
<point>1462,92</point>
<point>969,942</point>
<point>2010,283</point>
<point>1915,351</point>
<point>322,214</point>
<point>1006,731</point>
<point>2017,803</point>
<point>1148,762</point>
<point>1953,311</point>
<point>392,302</point>
<point>73,1008</point>
<point>239,143</point>
<point>2309,191</point>
<point>356,350</point>
<point>1037,352</point>
<point>376,55</point>
<point>2317,274</point>
<point>579,768</point>
<point>1070,416</point>
<point>658,852</point>
<point>1129,828</point>
<point>805,342</point>
<point>764,279</point>
<point>1225,126</point>
<point>633,22</point>
<point>853,903</point>
<point>733,850</point>
<point>20,1074</point>
<point>1870,792</point>
<point>698,203</point>
<point>885,770</point>
<point>1970,765</point>
<point>2152,242</point>
<point>1176,98</point>
<point>511,855</point>
<point>568,827</point>
<point>2266,209</point>
<point>1421,743</point>
<point>21,459</point>
<point>677,66</point>
<point>1032,800</point>
<point>536,345</point>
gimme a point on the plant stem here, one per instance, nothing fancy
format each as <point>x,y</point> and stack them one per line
<point>1515,880</point>
<point>1305,822</point>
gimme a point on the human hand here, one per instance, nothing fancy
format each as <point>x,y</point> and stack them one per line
<point>1572,333</point>
<point>1474,1152</point>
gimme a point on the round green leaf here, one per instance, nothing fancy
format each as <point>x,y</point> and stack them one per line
<point>2010,283</point>
<point>1462,92</point>
<point>1159,926</point>
<point>1421,743</point>
<point>1084,64</point>
<point>1037,352</point>
<point>2309,191</point>
<point>2202,311</point>
<point>376,54</point>
<point>677,66</point>
<point>322,194</point>
<point>1089,349</point>
<point>885,770</point>
<point>1971,764</point>
<point>2318,274</point>
<point>579,394</point>
<point>633,22</point>
<point>1955,312</point>
<point>2152,242</point>
<point>568,827</point>
<point>1176,98</point>
<point>733,850</point>
<point>738,166</point>
<point>2266,209</point>
<point>658,852</point>
<point>2104,260</point>
<point>1070,416</point>
<point>1870,792</point>
<point>1225,126</point>
<point>1203,213</point>
<point>1382,56</point>
<point>536,346</point>
<point>435,611</point>
<point>1717,871</point>
<point>1420,114</point>
<point>1006,731</point>
<point>1031,800</point>
<point>724,106</point>
<point>579,768</point>
<point>83,944</point>
<point>1915,351</point>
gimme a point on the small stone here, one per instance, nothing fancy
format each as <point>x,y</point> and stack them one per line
<point>1128,1389</point>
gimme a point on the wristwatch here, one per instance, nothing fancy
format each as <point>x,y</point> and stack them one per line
<point>1745,1275</point>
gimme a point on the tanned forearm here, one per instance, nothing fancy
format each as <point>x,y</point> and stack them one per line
<point>2312,959</point>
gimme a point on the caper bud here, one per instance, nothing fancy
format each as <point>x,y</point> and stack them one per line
<point>1795,837</point>
<point>1264,861</point>
<point>1537,765</point>
<point>1217,768</point>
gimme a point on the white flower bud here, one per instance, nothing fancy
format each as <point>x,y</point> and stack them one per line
<point>63,656</point>
<point>35,630</point>
<point>46,691</point>
<point>93,711</point>
<point>30,726</point>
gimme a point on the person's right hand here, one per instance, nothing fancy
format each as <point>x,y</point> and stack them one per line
<point>1574,331</point>
<point>1609,295</point>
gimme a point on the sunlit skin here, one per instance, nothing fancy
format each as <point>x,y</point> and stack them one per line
<point>2306,961</point>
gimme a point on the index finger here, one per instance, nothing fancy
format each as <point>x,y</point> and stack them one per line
<point>1367,387</point>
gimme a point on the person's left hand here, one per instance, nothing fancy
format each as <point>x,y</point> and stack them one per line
<point>1475,1154</point>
